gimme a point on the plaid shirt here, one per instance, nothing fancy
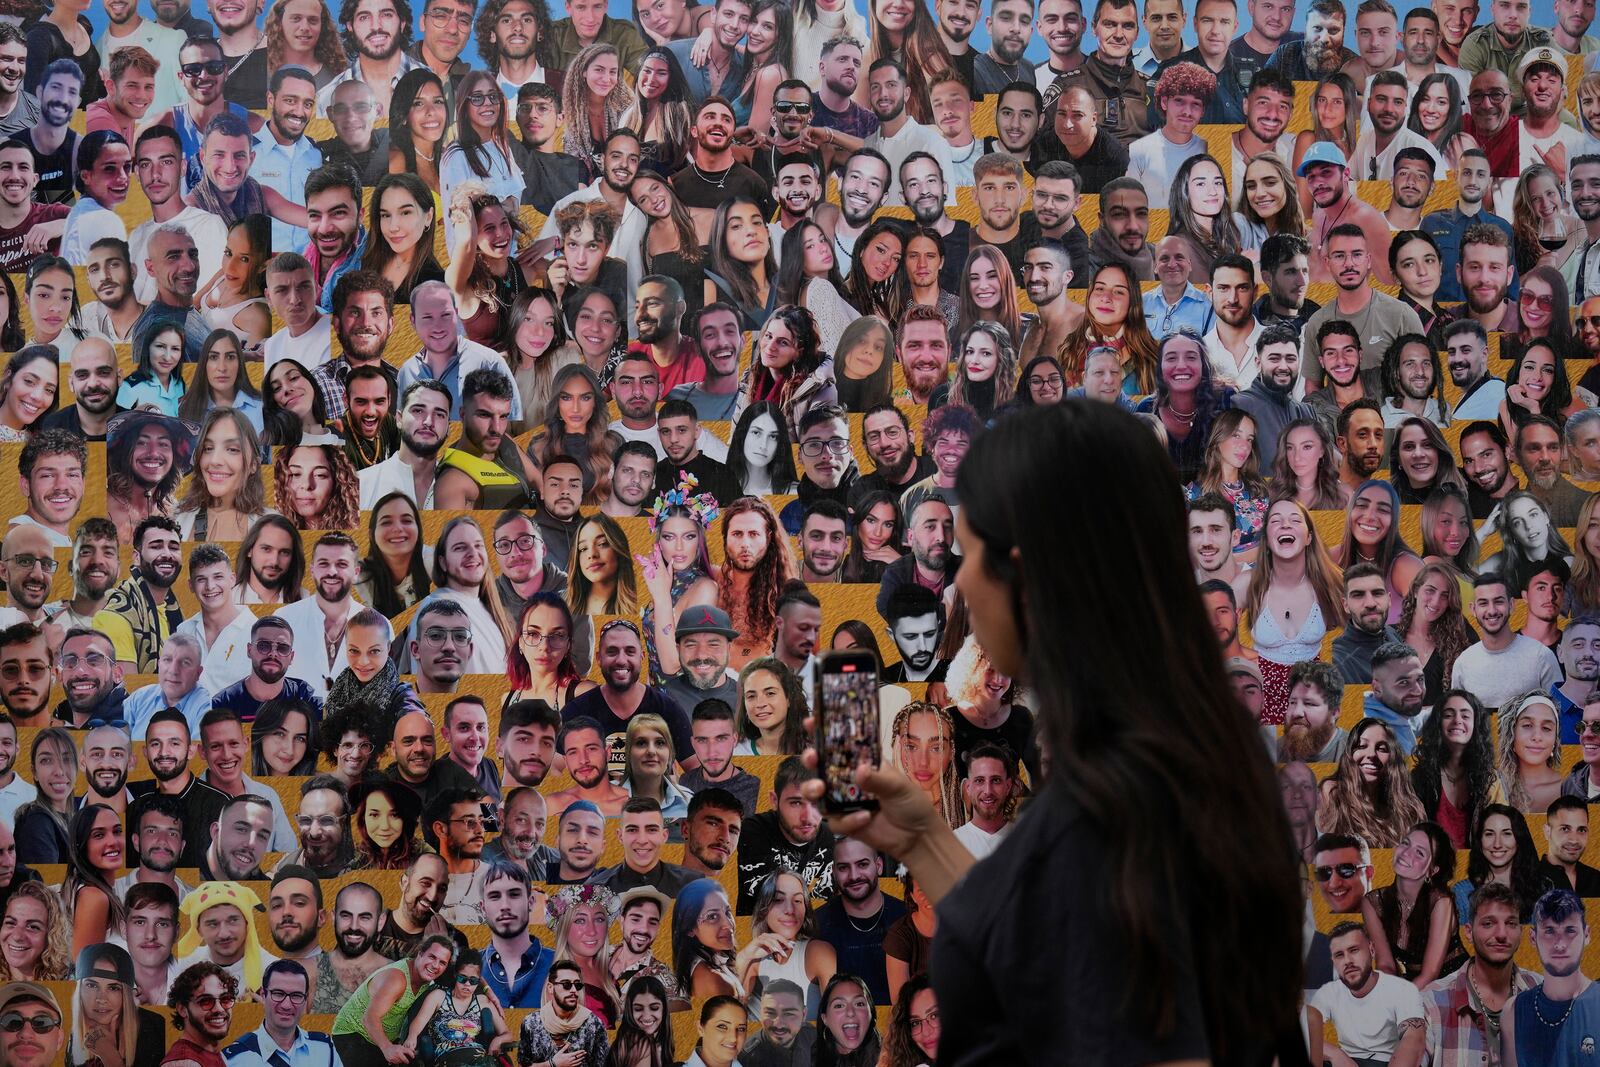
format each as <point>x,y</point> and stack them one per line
<point>1457,1029</point>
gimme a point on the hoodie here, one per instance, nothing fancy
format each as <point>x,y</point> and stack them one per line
<point>1404,728</point>
<point>1272,409</point>
<point>1352,653</point>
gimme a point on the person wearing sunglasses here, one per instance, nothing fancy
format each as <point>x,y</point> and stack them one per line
<point>201,73</point>
<point>563,1026</point>
<point>271,652</point>
<point>1342,868</point>
<point>279,1040</point>
<point>202,999</point>
<point>31,1034</point>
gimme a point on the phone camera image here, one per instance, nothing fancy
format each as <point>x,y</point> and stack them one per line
<point>849,730</point>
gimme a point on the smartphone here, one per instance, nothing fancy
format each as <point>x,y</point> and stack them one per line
<point>846,726</point>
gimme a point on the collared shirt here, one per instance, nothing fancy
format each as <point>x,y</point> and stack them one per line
<point>1447,227</point>
<point>353,73</point>
<point>151,393</point>
<point>284,169</point>
<point>470,356</point>
<point>1368,163</point>
<point>1145,61</point>
<point>257,1049</point>
<point>13,795</point>
<point>136,624</point>
<point>313,663</point>
<point>225,660</point>
<point>1230,371</point>
<point>144,702</point>
<point>1193,310</point>
<point>344,263</point>
<point>528,987</point>
<point>1457,1026</point>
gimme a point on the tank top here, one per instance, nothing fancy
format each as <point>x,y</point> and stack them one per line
<point>352,1017</point>
<point>1552,1033</point>
<point>794,969</point>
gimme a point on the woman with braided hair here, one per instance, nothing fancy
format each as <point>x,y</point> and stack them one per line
<point>923,741</point>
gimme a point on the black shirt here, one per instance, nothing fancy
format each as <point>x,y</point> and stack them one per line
<point>202,806</point>
<point>67,419</point>
<point>395,944</point>
<point>860,951</point>
<point>763,848</point>
<point>714,478</point>
<point>549,177</point>
<point>1556,878</point>
<point>1014,249</point>
<point>445,774</point>
<point>694,190</point>
<point>655,702</point>
<point>1107,158</point>
<point>55,171</point>
<point>247,79</point>
<point>956,243</point>
<point>1016,733</point>
<point>372,164</point>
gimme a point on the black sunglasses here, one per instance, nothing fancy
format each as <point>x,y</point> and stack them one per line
<point>210,66</point>
<point>1345,870</point>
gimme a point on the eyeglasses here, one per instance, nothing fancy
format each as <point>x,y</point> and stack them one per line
<point>321,822</point>
<point>267,648</point>
<point>436,636</point>
<point>837,445</point>
<point>27,562</point>
<point>339,111</point>
<point>524,543</point>
<point>930,1019</point>
<point>535,638</point>
<point>442,18</point>
<point>480,98</point>
<point>1493,96</point>
<point>1344,870</point>
<point>1542,301</point>
<point>285,996</point>
<point>13,1022</point>
<point>471,822</point>
<point>93,660</point>
<point>212,67</point>
<point>798,107</point>
<point>1039,382</point>
<point>567,983</point>
<point>205,1002</point>
<point>1589,726</point>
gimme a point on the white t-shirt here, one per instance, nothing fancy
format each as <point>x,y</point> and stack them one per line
<point>1496,678</point>
<point>210,235</point>
<point>1153,161</point>
<point>311,349</point>
<point>913,137</point>
<point>162,43</point>
<point>1369,1026</point>
<point>1531,146</point>
<point>979,841</point>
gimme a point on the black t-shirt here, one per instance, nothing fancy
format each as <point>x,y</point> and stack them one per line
<point>714,478</point>
<point>1014,249</point>
<point>67,419</point>
<point>1107,158</point>
<point>763,848</point>
<point>202,806</point>
<point>860,951</point>
<point>655,702</point>
<point>1029,961</point>
<point>549,177</point>
<point>956,243</point>
<point>738,180</point>
<point>967,64</point>
<point>1016,733</point>
<point>396,944</point>
<point>247,79</point>
<point>372,164</point>
<point>55,171</point>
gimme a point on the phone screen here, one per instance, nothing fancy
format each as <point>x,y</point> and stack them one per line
<point>847,728</point>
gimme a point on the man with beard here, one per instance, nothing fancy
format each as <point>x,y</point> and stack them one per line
<point>1578,652</point>
<point>240,839</point>
<point>324,824</point>
<point>416,761</point>
<point>370,433</point>
<point>1545,594</point>
<point>1545,138</point>
<point>722,73</point>
<point>284,155</point>
<point>1286,270</point>
<point>1344,383</point>
<point>1017,116</point>
<point>1267,109</point>
<point>859,915</point>
<point>363,317</point>
<point>295,916</point>
<point>1222,608</point>
<point>924,188</point>
<point>581,1032</point>
<point>1541,453</point>
<point>1010,28</point>
<point>514,962</point>
<point>441,647</point>
<point>111,317</point>
<point>521,838</point>
<point>1178,302</point>
<point>824,541</point>
<point>173,260</point>
<point>1366,605</point>
<point>318,623</point>
<point>356,911</point>
<point>794,641</point>
<point>619,166</point>
<point>89,674</point>
<point>1397,692</point>
<point>1320,52</point>
<point>1328,177</point>
<point>1411,184</point>
<point>862,191</point>
<point>621,660</point>
<point>1108,74</point>
<point>989,784</point>
<point>14,792</point>
<point>28,566</point>
<point>526,569</point>
<point>1560,933</point>
<point>792,834</point>
<point>1230,342</point>
<point>560,495</point>
<point>946,436</point>
<point>1377,1015</point>
<point>640,912</point>
<point>833,105</point>
<point>1001,222</point>
<point>582,744</point>
<point>447,354</point>
<point>1269,399</point>
<point>50,472</point>
<point>1378,317</point>
<point>271,652</point>
<point>581,830</point>
<point>1486,461</point>
<point>784,1039</point>
<point>886,432</point>
<point>1457,1008</point>
<point>1311,730</point>
<point>357,143</point>
<point>642,833</point>
<point>177,686</point>
<point>955,20</point>
<point>19,109</point>
<point>53,143</point>
<point>1503,664</point>
<point>828,468</point>
<point>915,619</point>
<point>715,176</point>
<point>28,228</point>
<point>703,634</point>
<point>1122,236</point>
<point>167,751</point>
<point>454,821</point>
<point>1472,186</point>
<point>658,310</point>
<point>1376,151</point>
<point>798,186</point>
<point>447,25</point>
<point>1213,539</point>
<point>1502,45</point>
<point>158,162</point>
<point>1047,271</point>
<point>155,845</point>
<point>424,421</point>
<point>376,34</point>
<point>516,46</point>
<point>923,349</point>
<point>422,893</point>
<point>713,732</point>
<point>1582,272</point>
<point>719,331</point>
<point>201,1000</point>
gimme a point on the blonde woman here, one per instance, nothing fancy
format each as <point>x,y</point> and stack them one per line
<point>1530,752</point>
<point>983,707</point>
<point>649,773</point>
<point>35,936</point>
<point>923,747</point>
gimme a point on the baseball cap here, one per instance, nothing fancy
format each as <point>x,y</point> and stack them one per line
<point>1240,665</point>
<point>1322,152</point>
<point>17,992</point>
<point>705,619</point>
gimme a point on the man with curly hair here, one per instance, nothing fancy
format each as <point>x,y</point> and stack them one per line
<point>1182,94</point>
<point>759,560</point>
<point>201,999</point>
<point>517,44</point>
<point>377,34</point>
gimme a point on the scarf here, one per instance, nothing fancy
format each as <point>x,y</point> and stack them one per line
<point>373,696</point>
<point>249,200</point>
<point>1103,248</point>
<point>209,895</point>
<point>554,1024</point>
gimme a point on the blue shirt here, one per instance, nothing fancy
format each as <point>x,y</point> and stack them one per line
<point>190,137</point>
<point>1571,714</point>
<point>527,990</point>
<point>284,168</point>
<point>144,702</point>
<point>1404,732</point>
<point>1447,228</point>
<point>1193,310</point>
<point>699,85</point>
<point>255,1049</point>
<point>131,394</point>
<point>237,699</point>
<point>470,356</point>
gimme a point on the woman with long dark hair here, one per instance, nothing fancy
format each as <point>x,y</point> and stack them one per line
<point>283,740</point>
<point>295,412</point>
<point>742,270</point>
<point>1199,202</point>
<point>1528,536</point>
<point>808,276</point>
<point>1436,112</point>
<point>644,1036</point>
<point>92,864</point>
<point>51,290</point>
<point>486,273</point>
<point>235,298</point>
<point>1267,204</point>
<point>1502,850</point>
<point>1231,470</point>
<point>790,369</point>
<point>660,112</point>
<point>760,458</point>
<point>537,347</point>
<point>988,292</point>
<point>219,380</point>
<point>772,703</point>
<point>226,493</point>
<point>1115,320</point>
<point>671,244</point>
<point>540,666</point>
<point>877,283</point>
<point>847,1028</point>
<point>913,1038</point>
<point>156,383</point>
<point>1233,933</point>
<point>864,363</point>
<point>1537,384</point>
<point>1307,466</point>
<point>595,322</point>
<point>27,392</point>
<point>401,225</point>
<point>874,540</point>
<point>1544,307</point>
<point>1447,534</point>
<point>678,575</point>
<point>1290,600</point>
<point>1187,400</point>
<point>1414,917</point>
<point>1421,460</point>
<point>317,487</point>
<point>386,816</point>
<point>601,578</point>
<point>1369,794</point>
<point>419,125</point>
<point>1455,770</point>
<point>576,425</point>
<point>394,574</point>
<point>1432,623</point>
<point>1372,535</point>
<point>481,152</point>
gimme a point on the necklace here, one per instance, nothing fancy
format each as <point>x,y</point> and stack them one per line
<point>702,175</point>
<point>421,153</point>
<point>871,926</point>
<point>1482,1003</point>
<point>1540,1015</point>
<point>1187,418</point>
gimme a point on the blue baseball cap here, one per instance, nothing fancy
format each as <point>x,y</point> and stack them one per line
<point>1322,152</point>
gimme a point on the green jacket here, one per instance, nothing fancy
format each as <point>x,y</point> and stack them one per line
<point>1482,51</point>
<point>612,31</point>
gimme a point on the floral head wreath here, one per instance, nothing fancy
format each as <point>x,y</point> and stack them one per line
<point>571,896</point>
<point>703,506</point>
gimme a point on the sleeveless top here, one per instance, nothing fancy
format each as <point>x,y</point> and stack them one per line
<point>352,1017</point>
<point>484,324</point>
<point>794,969</point>
<point>1551,1032</point>
<point>454,1031</point>
<point>1273,645</point>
